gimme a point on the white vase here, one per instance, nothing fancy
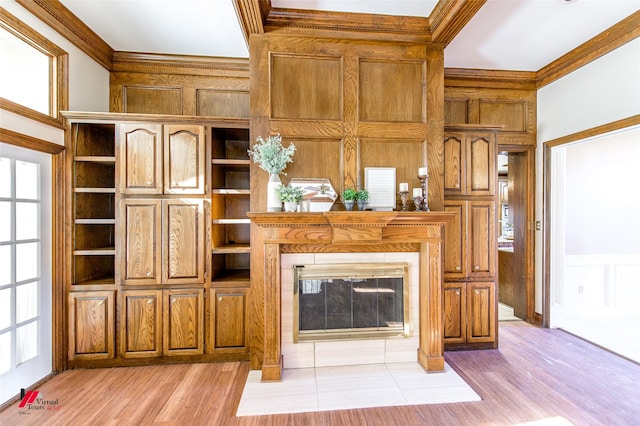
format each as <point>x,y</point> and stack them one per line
<point>290,206</point>
<point>273,201</point>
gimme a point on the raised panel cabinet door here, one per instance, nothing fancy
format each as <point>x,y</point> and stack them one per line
<point>481,312</point>
<point>456,240</point>
<point>228,312</point>
<point>454,164</point>
<point>184,159</point>
<point>183,241</point>
<point>140,323</point>
<point>183,322</point>
<point>455,311</point>
<point>140,158</point>
<point>141,252</point>
<point>91,325</point>
<point>482,171</point>
<point>482,239</point>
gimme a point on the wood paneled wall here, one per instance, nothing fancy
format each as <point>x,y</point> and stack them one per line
<point>176,85</point>
<point>346,104</point>
<point>497,98</point>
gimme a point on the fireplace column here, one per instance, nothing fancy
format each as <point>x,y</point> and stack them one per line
<point>272,363</point>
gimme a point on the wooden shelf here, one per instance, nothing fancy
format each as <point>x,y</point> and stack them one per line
<point>230,162</point>
<point>230,221</point>
<point>231,249</point>
<point>96,190</point>
<point>235,276</point>
<point>104,251</point>
<point>95,159</point>
<point>96,281</point>
<point>95,221</point>
<point>231,191</point>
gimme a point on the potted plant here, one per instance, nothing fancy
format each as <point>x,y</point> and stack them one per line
<point>272,157</point>
<point>362,198</point>
<point>290,196</point>
<point>349,198</point>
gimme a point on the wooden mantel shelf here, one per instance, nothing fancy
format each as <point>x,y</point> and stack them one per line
<point>344,231</point>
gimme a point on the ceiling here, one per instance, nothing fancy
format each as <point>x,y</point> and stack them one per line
<point>522,35</point>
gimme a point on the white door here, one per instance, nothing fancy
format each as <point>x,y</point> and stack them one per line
<point>25,269</point>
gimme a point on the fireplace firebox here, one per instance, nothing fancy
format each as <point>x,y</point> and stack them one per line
<point>350,301</point>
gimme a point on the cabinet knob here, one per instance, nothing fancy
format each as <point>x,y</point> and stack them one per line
<point>458,268</point>
<point>476,291</point>
<point>148,273</point>
<point>149,302</point>
<point>219,299</point>
<point>476,267</point>
<point>176,184</point>
<point>149,183</point>
<point>457,292</point>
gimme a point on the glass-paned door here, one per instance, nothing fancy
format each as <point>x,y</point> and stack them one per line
<point>25,268</point>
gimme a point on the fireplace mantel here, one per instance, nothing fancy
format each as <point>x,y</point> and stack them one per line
<point>344,231</point>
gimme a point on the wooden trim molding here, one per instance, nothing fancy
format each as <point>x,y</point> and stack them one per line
<point>494,79</point>
<point>449,17</point>
<point>599,130</point>
<point>624,31</point>
<point>58,17</point>
<point>252,15</point>
<point>180,64</point>
<point>29,142</point>
<point>29,113</point>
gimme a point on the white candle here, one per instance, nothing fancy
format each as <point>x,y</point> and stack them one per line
<point>417,192</point>
<point>404,187</point>
<point>422,172</point>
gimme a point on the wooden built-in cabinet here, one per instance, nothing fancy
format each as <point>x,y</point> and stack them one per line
<point>470,264</point>
<point>148,230</point>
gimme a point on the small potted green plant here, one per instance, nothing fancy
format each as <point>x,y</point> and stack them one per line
<point>349,198</point>
<point>290,196</point>
<point>362,198</point>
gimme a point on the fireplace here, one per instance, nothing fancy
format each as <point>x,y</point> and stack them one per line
<point>350,301</point>
<point>277,235</point>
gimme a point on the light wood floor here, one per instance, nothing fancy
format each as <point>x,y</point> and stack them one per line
<point>536,374</point>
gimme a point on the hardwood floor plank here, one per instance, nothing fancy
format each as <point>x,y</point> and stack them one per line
<point>536,374</point>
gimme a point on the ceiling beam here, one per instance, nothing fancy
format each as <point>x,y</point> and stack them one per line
<point>61,19</point>
<point>449,17</point>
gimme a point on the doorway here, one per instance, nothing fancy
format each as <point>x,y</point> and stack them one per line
<point>515,233</point>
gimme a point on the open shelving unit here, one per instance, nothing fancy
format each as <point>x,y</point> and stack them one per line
<point>230,201</point>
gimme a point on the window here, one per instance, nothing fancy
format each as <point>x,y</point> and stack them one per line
<point>33,72</point>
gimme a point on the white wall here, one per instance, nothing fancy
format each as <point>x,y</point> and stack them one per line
<point>603,91</point>
<point>88,81</point>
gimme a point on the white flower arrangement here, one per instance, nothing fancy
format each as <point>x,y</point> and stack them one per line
<point>270,155</point>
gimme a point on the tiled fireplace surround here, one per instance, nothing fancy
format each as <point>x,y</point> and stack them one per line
<point>347,352</point>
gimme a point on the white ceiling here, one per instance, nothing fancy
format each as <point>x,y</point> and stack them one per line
<point>521,35</point>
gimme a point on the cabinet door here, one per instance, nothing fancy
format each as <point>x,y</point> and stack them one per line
<point>482,239</point>
<point>91,325</point>
<point>456,240</point>
<point>184,159</point>
<point>481,164</point>
<point>481,312</point>
<point>183,241</point>
<point>455,299</point>
<point>454,164</point>
<point>183,322</point>
<point>141,252</point>
<point>228,318</point>
<point>141,323</point>
<point>140,159</point>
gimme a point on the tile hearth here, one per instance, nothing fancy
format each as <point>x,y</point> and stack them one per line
<point>349,387</point>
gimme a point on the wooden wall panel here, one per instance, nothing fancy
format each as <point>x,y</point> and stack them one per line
<point>316,158</point>
<point>306,87</point>
<point>219,103</point>
<point>510,114</point>
<point>153,100</point>
<point>455,111</point>
<point>392,91</point>
<point>405,155</point>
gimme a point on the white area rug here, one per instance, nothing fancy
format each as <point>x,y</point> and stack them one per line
<point>354,386</point>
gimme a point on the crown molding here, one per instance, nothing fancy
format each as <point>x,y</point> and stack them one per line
<point>448,18</point>
<point>58,17</point>
<point>497,79</point>
<point>251,16</point>
<point>621,33</point>
<point>180,64</point>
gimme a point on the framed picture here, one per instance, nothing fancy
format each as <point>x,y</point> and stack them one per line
<point>381,184</point>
